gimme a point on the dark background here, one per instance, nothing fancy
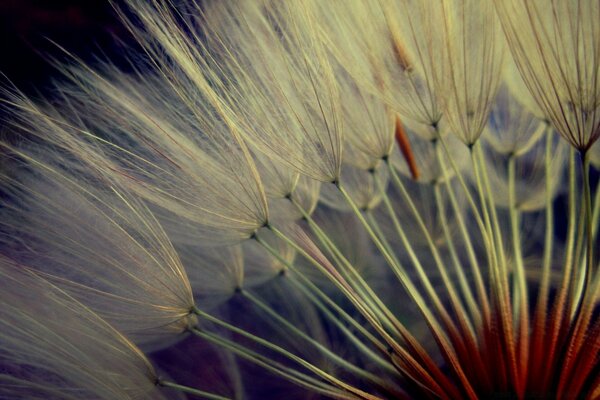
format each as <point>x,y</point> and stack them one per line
<point>27,28</point>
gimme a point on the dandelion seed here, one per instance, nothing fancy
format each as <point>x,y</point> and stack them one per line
<point>103,247</point>
<point>54,347</point>
<point>555,47</point>
<point>350,186</point>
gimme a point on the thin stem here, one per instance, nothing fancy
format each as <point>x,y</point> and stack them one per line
<point>559,317</point>
<point>492,206</point>
<point>499,285</point>
<point>308,287</point>
<point>273,347</point>
<point>460,312</point>
<point>402,353</point>
<point>588,220</point>
<point>328,353</point>
<point>367,293</point>
<point>339,281</point>
<point>353,339</point>
<point>467,192</point>
<point>462,279</point>
<point>465,342</point>
<point>521,297</point>
<point>539,334</point>
<point>436,329</point>
<point>274,367</point>
<point>475,268</point>
<point>596,212</point>
<point>189,390</point>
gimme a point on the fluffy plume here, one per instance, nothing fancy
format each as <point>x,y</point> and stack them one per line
<point>53,347</point>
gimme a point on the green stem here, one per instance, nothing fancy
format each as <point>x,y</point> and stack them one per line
<point>467,192</point>
<point>457,305</point>
<point>475,268</point>
<point>500,287</point>
<point>548,242</point>
<point>588,220</point>
<point>341,284</point>
<point>273,347</point>
<point>521,297</point>
<point>314,297</point>
<point>596,212</point>
<point>368,295</point>
<point>462,279</point>
<point>432,322</point>
<point>492,208</point>
<point>274,367</point>
<point>307,286</point>
<point>328,353</point>
<point>519,272</point>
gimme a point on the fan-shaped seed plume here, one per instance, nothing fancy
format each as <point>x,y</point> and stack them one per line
<point>303,199</point>
<point>279,179</point>
<point>475,51</point>
<point>363,186</point>
<point>285,90</point>
<point>180,157</point>
<point>104,247</point>
<point>398,51</point>
<point>530,173</point>
<point>421,161</point>
<point>187,161</point>
<point>259,266</point>
<point>512,129</point>
<point>53,347</point>
<point>215,273</point>
<point>368,130</point>
<point>556,46</point>
<point>517,88</point>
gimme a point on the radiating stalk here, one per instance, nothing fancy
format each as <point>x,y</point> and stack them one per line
<point>499,285</point>
<point>436,329</point>
<point>462,279</point>
<point>475,268</point>
<point>465,341</point>
<point>521,297</point>
<point>539,334</point>
<point>368,295</point>
<point>274,367</point>
<point>589,272</point>
<point>400,351</point>
<point>560,313</point>
<point>302,335</point>
<point>346,289</point>
<point>587,295</point>
<point>492,206</point>
<point>596,212</point>
<point>467,191</point>
<point>360,345</point>
<point>319,297</point>
<point>454,298</point>
<point>273,347</point>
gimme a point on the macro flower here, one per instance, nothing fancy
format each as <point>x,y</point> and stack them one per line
<point>306,199</point>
